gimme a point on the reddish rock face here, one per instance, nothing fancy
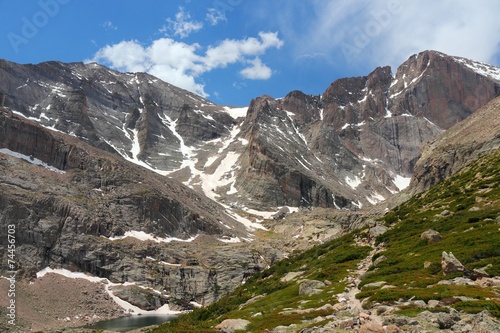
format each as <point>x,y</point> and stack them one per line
<point>445,91</point>
<point>346,147</point>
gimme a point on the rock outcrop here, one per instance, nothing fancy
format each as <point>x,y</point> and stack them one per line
<point>450,264</point>
<point>466,141</point>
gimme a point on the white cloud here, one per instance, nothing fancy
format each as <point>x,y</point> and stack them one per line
<point>257,70</point>
<point>181,64</point>
<point>379,32</point>
<point>230,50</point>
<point>182,25</point>
<point>108,25</point>
<point>214,16</point>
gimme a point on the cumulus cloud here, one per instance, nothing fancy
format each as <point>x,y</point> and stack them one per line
<point>231,50</point>
<point>182,25</point>
<point>256,71</point>
<point>379,32</point>
<point>181,63</point>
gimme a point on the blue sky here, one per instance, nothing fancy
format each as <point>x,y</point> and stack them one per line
<point>231,51</point>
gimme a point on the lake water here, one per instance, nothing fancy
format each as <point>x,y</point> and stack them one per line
<point>125,324</point>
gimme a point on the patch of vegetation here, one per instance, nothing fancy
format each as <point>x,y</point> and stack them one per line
<point>465,210</point>
<point>492,306</point>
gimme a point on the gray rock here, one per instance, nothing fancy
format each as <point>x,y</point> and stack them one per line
<point>374,284</point>
<point>450,264</point>
<point>445,212</point>
<point>420,304</point>
<point>251,301</point>
<point>432,236</point>
<point>232,325</point>
<point>311,287</point>
<point>457,281</point>
<point>291,276</point>
<point>433,303</point>
<point>285,329</point>
<point>282,213</point>
<point>446,320</point>
<point>377,231</point>
<point>380,259</point>
<point>142,298</point>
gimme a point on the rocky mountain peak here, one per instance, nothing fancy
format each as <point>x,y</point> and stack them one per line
<point>352,146</point>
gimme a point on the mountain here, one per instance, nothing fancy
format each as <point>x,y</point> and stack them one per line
<point>358,142</point>
<point>431,264</point>
<point>165,195</point>
<point>350,147</point>
<point>78,207</point>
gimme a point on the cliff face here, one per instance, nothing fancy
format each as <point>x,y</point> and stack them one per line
<point>72,205</point>
<point>358,142</point>
<point>465,142</point>
<point>137,116</point>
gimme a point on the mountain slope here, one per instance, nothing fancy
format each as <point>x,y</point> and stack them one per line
<point>395,281</point>
<point>394,271</point>
<point>464,142</point>
<point>80,208</point>
<point>350,147</point>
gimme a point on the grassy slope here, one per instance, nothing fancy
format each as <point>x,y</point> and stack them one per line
<point>472,235</point>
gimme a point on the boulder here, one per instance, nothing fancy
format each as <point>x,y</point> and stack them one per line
<point>290,276</point>
<point>379,260</point>
<point>232,325</point>
<point>450,264</point>
<point>377,230</point>
<point>284,211</point>
<point>432,236</point>
<point>311,287</point>
<point>371,327</point>
<point>374,284</point>
<point>447,320</point>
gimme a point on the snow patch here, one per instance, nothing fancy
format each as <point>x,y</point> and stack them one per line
<point>353,182</point>
<point>236,112</point>
<point>375,198</point>
<point>141,235</point>
<point>481,68</point>
<point>357,204</point>
<point>289,115</point>
<point>230,240</point>
<point>401,182</point>
<point>31,160</point>
<point>388,113</point>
